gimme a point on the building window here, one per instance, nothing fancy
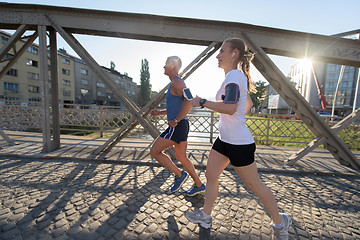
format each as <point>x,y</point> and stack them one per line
<point>31,62</point>
<point>12,72</point>
<point>33,76</point>
<point>33,50</point>
<point>8,56</point>
<point>330,76</point>
<point>34,89</point>
<point>65,71</point>
<point>65,61</point>
<point>66,82</point>
<point>331,67</point>
<point>13,99</point>
<point>98,84</point>
<point>344,84</point>
<point>11,86</point>
<point>100,94</point>
<point>84,92</point>
<point>84,82</point>
<point>34,99</point>
<point>84,72</point>
<point>66,92</point>
<point>4,39</point>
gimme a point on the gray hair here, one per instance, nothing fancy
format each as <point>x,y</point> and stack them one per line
<point>175,61</point>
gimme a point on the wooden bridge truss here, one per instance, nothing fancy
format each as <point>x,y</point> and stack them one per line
<point>50,20</point>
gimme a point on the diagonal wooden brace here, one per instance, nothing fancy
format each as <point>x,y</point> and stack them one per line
<point>6,137</point>
<point>12,42</point>
<point>320,140</point>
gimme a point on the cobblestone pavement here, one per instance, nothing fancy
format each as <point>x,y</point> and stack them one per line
<point>62,199</point>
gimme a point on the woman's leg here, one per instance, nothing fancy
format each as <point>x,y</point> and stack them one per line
<point>249,175</point>
<point>215,165</point>
<point>180,151</point>
<point>156,151</point>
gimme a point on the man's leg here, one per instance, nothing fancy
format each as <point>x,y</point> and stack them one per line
<point>180,151</point>
<point>156,151</point>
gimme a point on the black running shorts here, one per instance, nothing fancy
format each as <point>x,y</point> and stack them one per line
<point>239,155</point>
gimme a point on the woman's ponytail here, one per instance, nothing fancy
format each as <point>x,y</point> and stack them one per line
<point>245,66</point>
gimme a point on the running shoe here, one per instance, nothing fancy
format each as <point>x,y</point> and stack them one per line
<point>198,216</point>
<point>195,190</point>
<point>281,233</point>
<point>179,181</point>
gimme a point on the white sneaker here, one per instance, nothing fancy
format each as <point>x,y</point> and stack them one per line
<point>281,233</point>
<point>198,216</point>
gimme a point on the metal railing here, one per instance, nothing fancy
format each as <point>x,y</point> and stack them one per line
<point>84,119</point>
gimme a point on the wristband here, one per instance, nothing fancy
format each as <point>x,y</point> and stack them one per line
<point>202,102</point>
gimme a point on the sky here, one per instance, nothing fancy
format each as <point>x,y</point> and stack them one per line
<point>325,17</point>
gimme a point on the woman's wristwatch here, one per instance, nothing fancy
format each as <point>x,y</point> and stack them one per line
<point>202,102</point>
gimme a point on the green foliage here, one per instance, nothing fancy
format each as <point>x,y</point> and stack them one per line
<point>112,65</point>
<point>145,89</point>
<point>260,92</point>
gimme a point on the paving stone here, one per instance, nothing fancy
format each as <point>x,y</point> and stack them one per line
<point>152,228</point>
<point>11,233</point>
<point>110,232</point>
<point>8,226</point>
<point>140,228</point>
<point>43,224</point>
<point>60,231</point>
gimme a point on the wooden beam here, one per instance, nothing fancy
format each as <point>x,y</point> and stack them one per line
<point>183,30</point>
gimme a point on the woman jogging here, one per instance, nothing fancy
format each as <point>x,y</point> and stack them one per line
<point>235,143</point>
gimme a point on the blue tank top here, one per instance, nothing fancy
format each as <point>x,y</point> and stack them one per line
<point>173,105</point>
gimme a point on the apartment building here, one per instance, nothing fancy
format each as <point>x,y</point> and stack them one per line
<point>77,83</point>
<point>126,84</point>
<point>21,82</point>
<point>89,89</point>
<point>67,80</point>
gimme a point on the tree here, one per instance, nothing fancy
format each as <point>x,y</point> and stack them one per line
<point>259,95</point>
<point>145,87</point>
<point>112,65</point>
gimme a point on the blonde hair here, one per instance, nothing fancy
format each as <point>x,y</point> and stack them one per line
<point>175,61</point>
<point>245,57</point>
